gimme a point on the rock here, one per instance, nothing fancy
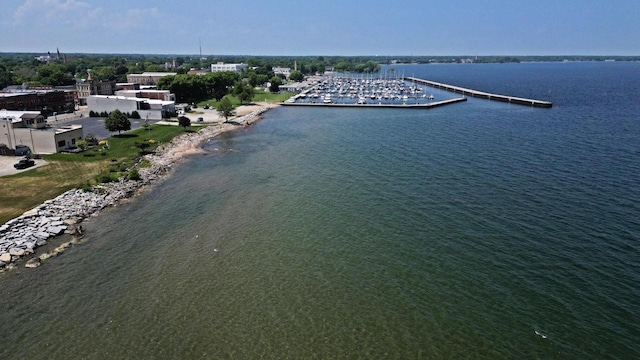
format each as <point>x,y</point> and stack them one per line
<point>32,212</point>
<point>41,242</point>
<point>41,235</point>
<point>32,263</point>
<point>56,230</point>
<point>16,252</point>
<point>6,257</point>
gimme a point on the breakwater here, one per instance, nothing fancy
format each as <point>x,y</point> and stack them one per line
<point>381,105</point>
<point>482,95</point>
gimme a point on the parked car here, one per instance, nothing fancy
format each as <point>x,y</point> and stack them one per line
<point>200,119</point>
<point>22,150</point>
<point>24,163</point>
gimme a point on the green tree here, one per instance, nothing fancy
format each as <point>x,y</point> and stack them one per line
<point>275,84</point>
<point>243,91</point>
<point>247,94</point>
<point>219,83</point>
<point>296,76</point>
<point>6,78</point>
<point>225,108</point>
<point>117,121</point>
<point>184,121</point>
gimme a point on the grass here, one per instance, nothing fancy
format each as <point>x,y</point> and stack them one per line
<point>259,96</point>
<point>28,189</point>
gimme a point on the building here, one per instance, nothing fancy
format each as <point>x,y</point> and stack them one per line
<point>44,100</point>
<point>152,109</point>
<point>282,71</point>
<point>198,72</point>
<point>163,95</point>
<point>148,78</point>
<point>29,128</point>
<point>91,87</point>
<point>237,68</point>
<point>125,86</point>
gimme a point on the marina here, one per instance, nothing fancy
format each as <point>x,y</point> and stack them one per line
<point>340,91</point>
<point>401,92</point>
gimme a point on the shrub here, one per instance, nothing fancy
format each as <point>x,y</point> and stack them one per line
<point>134,174</point>
<point>135,115</point>
<point>91,139</point>
<point>104,177</point>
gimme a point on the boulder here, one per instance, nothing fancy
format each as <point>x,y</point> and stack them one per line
<point>42,235</point>
<point>6,257</point>
<point>16,251</point>
<point>56,230</point>
<point>32,263</point>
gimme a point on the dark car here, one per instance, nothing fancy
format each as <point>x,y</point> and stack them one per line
<point>24,163</point>
<point>22,150</point>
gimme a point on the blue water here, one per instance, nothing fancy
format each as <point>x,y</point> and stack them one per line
<point>476,230</point>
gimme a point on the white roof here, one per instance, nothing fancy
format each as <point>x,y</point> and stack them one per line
<point>15,116</point>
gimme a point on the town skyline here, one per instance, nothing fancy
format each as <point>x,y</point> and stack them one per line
<point>331,28</point>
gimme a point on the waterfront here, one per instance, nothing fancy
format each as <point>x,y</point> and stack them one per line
<point>480,230</point>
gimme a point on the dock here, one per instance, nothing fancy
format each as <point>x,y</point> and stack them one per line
<point>481,94</point>
<point>381,105</point>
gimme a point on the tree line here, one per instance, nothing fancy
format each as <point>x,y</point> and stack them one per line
<point>67,69</point>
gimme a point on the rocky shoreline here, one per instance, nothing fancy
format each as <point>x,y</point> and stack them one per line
<point>20,237</point>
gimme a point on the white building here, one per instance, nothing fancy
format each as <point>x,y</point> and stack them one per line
<point>238,68</point>
<point>147,108</point>
<point>281,71</point>
<point>164,95</point>
<point>30,129</point>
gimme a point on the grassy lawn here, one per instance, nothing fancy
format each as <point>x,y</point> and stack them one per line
<point>259,96</point>
<point>28,189</point>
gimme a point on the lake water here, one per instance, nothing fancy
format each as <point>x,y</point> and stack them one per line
<point>475,230</point>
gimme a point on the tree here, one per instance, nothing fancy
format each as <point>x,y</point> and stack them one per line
<point>247,94</point>
<point>117,121</point>
<point>275,84</point>
<point>225,108</point>
<point>184,121</point>
<point>296,76</point>
<point>243,91</point>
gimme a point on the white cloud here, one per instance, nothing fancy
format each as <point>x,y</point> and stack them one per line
<point>49,11</point>
<point>141,18</point>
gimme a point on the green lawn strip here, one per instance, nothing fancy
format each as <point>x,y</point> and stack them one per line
<point>28,189</point>
<point>259,96</point>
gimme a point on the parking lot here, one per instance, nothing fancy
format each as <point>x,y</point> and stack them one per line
<point>6,165</point>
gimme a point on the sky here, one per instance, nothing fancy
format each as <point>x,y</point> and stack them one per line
<point>323,27</point>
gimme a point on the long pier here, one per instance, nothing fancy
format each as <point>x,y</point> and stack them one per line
<point>379,105</point>
<point>482,95</point>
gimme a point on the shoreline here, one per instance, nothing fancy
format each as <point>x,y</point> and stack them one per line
<point>21,236</point>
